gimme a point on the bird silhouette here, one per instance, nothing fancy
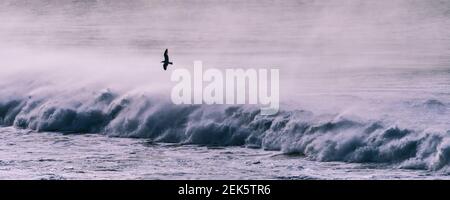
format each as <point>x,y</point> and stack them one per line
<point>166,61</point>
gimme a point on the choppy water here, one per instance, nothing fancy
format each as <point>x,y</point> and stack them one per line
<point>30,155</point>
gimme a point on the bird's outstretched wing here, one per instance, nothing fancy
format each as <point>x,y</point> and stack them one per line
<point>166,56</point>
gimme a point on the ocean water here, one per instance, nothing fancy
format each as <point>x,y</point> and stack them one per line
<point>55,156</point>
<point>364,85</point>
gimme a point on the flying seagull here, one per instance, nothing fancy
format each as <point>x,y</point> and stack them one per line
<point>166,60</point>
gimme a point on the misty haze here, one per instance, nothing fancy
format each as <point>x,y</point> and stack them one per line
<point>364,89</point>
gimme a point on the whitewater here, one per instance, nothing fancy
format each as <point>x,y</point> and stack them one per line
<point>364,90</point>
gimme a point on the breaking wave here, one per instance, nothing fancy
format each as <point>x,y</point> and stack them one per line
<point>316,136</point>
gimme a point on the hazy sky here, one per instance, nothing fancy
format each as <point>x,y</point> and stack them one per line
<point>121,42</point>
<point>318,33</point>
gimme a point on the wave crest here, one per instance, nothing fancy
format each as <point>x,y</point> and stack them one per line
<point>318,137</point>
